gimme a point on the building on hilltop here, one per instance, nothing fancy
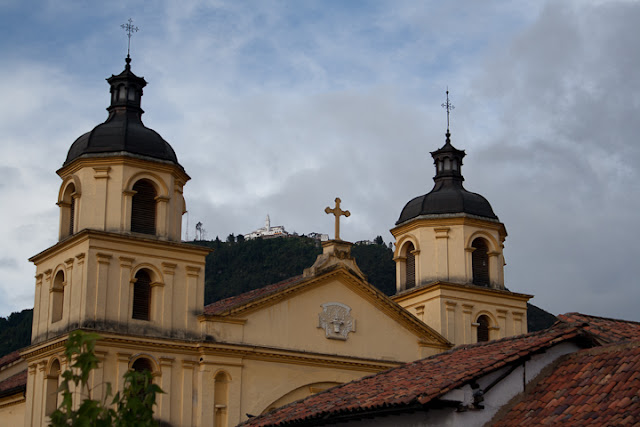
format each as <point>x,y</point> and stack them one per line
<point>268,231</point>
<point>120,269</point>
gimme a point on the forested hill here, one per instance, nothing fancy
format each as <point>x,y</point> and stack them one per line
<point>235,267</point>
<point>15,331</point>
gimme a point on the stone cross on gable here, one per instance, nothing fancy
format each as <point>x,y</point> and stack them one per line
<point>337,212</point>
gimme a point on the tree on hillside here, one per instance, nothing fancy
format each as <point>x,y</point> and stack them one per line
<point>15,331</point>
<point>231,238</point>
<point>378,240</point>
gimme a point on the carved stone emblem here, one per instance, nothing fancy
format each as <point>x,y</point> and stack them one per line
<point>336,321</point>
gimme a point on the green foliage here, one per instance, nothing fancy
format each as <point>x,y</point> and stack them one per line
<point>376,262</point>
<point>234,268</point>
<point>15,331</point>
<point>132,407</point>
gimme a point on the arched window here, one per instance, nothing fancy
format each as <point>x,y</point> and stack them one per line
<point>483,328</point>
<point>142,364</point>
<point>67,211</point>
<point>480,262</point>
<point>51,386</point>
<point>57,297</point>
<point>143,208</point>
<point>142,296</point>
<point>410,268</point>
<point>221,399</point>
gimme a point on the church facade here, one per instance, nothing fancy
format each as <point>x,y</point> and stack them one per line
<point>120,269</point>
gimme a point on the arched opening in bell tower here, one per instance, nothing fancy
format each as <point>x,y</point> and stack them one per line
<point>142,296</point>
<point>410,271</point>
<point>221,398</point>
<point>483,328</point>
<point>51,386</point>
<point>143,208</point>
<point>480,262</point>
<point>57,297</point>
<point>68,207</point>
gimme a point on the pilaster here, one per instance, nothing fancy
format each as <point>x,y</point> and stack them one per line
<point>187,392</point>
<point>164,400</point>
<point>101,176</point>
<point>169,271</point>
<point>126,263</point>
<point>442,252</point>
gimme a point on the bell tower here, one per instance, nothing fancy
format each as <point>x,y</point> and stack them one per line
<point>449,258</point>
<point>119,267</point>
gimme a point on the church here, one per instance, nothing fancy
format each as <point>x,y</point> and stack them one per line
<point>121,269</point>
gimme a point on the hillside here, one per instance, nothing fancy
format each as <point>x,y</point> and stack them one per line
<point>237,267</point>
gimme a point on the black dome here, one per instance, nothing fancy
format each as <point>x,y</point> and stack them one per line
<point>123,132</point>
<point>448,196</point>
<point>445,199</point>
<point>117,135</point>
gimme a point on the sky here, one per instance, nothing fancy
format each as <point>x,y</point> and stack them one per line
<point>278,107</point>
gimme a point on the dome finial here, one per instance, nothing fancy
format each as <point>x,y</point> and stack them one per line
<point>449,106</point>
<point>130,29</point>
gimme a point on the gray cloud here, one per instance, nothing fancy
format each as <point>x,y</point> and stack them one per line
<point>278,109</point>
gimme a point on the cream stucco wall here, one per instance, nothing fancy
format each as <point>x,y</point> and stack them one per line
<point>103,194</point>
<point>443,249</point>
<point>99,269</point>
<point>453,310</point>
<point>293,324</point>
<point>12,409</point>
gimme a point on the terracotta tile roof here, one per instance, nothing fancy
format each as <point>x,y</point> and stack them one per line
<point>418,383</point>
<point>605,329</point>
<point>223,306</point>
<point>14,384</point>
<point>9,358</point>
<point>599,386</point>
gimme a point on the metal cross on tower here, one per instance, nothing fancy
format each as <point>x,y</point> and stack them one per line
<point>130,29</point>
<point>337,212</point>
<point>449,106</point>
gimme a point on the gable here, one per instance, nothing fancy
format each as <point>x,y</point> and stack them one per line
<point>334,313</point>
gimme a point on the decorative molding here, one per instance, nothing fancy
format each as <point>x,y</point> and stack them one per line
<point>193,270</point>
<point>126,262</point>
<point>103,258</point>
<point>336,320</point>
<point>101,172</point>
<point>442,232</point>
<point>169,267</point>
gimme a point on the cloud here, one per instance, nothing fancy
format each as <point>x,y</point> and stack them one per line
<point>278,109</point>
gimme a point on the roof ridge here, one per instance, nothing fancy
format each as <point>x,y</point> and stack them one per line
<point>597,317</point>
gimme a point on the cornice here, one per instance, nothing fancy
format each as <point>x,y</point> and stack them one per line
<point>45,348</point>
<point>243,351</point>
<point>99,235</point>
<point>438,285</point>
<point>447,220</point>
<point>96,160</point>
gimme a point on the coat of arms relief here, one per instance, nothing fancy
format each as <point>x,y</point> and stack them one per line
<point>336,321</point>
